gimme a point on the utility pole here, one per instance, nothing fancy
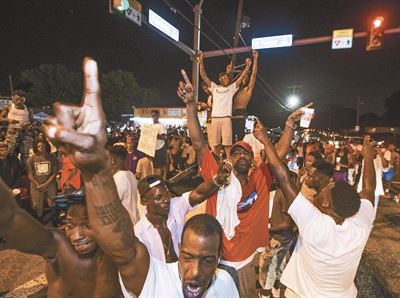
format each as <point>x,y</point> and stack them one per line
<point>196,47</point>
<point>237,32</point>
<point>359,103</point>
<point>294,87</point>
<point>11,85</point>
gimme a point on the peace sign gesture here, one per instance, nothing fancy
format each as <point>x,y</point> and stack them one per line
<point>80,130</point>
<point>185,89</point>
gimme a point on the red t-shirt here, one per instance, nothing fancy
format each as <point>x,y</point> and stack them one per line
<point>66,168</point>
<point>252,231</point>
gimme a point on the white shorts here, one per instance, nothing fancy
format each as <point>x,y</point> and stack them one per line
<point>222,131</point>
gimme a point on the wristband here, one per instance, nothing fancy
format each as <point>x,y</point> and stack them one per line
<point>292,127</point>
<point>216,183</point>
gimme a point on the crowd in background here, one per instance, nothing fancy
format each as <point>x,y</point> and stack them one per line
<point>38,170</point>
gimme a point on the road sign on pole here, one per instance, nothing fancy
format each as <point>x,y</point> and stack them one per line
<point>269,42</point>
<point>342,39</point>
<point>134,15</point>
<point>163,25</point>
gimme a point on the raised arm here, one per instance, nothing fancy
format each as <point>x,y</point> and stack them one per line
<point>278,169</point>
<point>244,73</point>
<point>253,76</point>
<point>208,187</point>
<point>369,176</point>
<point>185,92</point>
<point>80,130</point>
<point>5,111</point>
<point>20,230</point>
<point>203,73</point>
<point>283,146</point>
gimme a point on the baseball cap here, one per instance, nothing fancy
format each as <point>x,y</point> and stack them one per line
<point>244,145</point>
<point>148,183</point>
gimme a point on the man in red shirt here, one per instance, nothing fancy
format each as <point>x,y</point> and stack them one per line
<point>242,207</point>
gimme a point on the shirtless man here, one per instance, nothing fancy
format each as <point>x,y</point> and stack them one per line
<point>80,130</point>
<point>76,266</point>
<point>241,100</point>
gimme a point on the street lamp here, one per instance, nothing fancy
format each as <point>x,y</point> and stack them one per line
<point>293,101</point>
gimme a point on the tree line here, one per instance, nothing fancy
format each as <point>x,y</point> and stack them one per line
<point>54,82</point>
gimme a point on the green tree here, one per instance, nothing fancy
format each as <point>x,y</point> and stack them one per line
<point>392,107</point>
<point>50,83</point>
<point>120,91</point>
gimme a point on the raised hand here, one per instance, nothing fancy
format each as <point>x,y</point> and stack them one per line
<point>368,150</point>
<point>296,115</point>
<point>248,61</point>
<point>224,172</point>
<point>255,54</point>
<point>185,89</point>
<point>259,132</point>
<point>229,68</point>
<point>199,57</point>
<point>80,130</point>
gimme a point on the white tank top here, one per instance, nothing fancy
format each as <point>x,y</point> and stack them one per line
<point>20,115</point>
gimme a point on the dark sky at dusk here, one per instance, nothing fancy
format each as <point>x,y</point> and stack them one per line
<point>64,31</point>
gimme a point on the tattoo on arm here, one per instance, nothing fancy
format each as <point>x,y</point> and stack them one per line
<point>109,214</point>
<point>113,213</point>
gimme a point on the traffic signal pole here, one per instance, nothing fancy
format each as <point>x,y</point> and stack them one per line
<point>196,47</point>
<point>297,42</point>
<point>237,31</point>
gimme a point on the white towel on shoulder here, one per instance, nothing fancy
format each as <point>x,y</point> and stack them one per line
<point>227,200</point>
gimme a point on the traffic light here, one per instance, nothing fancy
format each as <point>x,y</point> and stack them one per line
<point>375,34</point>
<point>120,4</point>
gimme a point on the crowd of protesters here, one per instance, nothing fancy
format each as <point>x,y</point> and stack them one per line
<point>288,218</point>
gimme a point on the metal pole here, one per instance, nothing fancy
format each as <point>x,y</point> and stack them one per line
<point>358,110</point>
<point>196,48</point>
<point>297,42</point>
<point>11,85</point>
<point>237,31</point>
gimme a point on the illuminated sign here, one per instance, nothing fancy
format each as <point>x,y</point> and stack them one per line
<point>269,42</point>
<point>163,25</point>
<point>342,39</point>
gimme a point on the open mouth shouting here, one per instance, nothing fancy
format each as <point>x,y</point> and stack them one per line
<point>193,290</point>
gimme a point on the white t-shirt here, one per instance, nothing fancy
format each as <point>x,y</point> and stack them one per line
<point>127,191</point>
<point>222,99</point>
<point>379,191</point>
<point>325,260</point>
<point>163,281</point>
<point>149,236</point>
<point>160,130</point>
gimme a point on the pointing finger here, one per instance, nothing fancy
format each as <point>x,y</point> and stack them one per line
<point>185,77</point>
<point>91,83</point>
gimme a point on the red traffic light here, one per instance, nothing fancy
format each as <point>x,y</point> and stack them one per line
<point>375,34</point>
<point>378,22</point>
